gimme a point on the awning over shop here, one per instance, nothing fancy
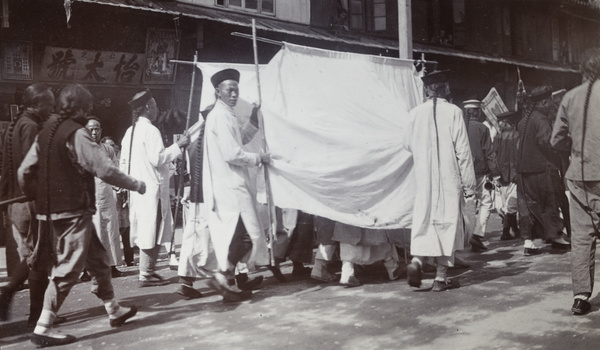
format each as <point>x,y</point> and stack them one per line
<point>272,25</point>
<point>243,20</point>
<point>445,51</point>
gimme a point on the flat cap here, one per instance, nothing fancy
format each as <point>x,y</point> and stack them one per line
<point>472,104</point>
<point>541,93</point>
<point>225,74</point>
<point>437,76</point>
<point>140,99</point>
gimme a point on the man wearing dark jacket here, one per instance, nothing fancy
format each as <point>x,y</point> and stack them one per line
<point>484,164</point>
<point>538,176</point>
<point>58,171</point>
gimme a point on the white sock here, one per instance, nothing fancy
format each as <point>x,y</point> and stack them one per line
<point>45,322</point>
<point>582,297</point>
<point>417,260</point>
<point>114,310</point>
<point>347,271</point>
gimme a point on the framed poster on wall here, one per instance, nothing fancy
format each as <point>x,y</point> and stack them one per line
<point>16,60</point>
<point>162,46</point>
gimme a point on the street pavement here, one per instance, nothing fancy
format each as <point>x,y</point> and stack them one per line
<point>506,301</point>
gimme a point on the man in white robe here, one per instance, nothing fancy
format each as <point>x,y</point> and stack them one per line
<point>443,167</point>
<point>232,219</point>
<point>144,156</point>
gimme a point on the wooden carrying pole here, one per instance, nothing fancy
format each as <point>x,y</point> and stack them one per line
<point>271,207</point>
<point>187,126</point>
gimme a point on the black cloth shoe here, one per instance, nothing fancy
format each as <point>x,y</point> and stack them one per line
<point>119,321</point>
<point>153,281</point>
<point>506,236</point>
<point>532,251</point>
<point>439,286</point>
<point>581,307</point>
<point>53,339</point>
<point>4,303</point>
<point>85,276</point>
<point>414,273</point>
<point>352,282</point>
<point>460,263</point>
<point>245,283</point>
<point>115,272</point>
<point>230,293</point>
<point>188,292</point>
<point>277,273</point>
<point>300,270</point>
<point>477,245</point>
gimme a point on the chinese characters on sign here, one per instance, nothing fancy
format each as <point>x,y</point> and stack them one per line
<point>161,47</point>
<point>91,67</point>
<point>16,60</point>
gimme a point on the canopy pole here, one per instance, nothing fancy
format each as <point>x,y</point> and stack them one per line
<point>269,195</point>
<point>181,183</point>
<point>280,43</point>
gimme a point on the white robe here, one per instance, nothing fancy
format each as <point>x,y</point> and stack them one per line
<point>226,182</point>
<point>444,173</point>
<point>150,163</point>
<point>106,218</point>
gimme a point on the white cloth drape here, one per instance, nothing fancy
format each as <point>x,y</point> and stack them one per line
<point>336,121</point>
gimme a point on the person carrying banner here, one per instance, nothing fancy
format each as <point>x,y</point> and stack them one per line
<point>443,168</point>
<point>232,218</point>
<point>38,103</point>
<point>538,176</point>
<point>576,130</point>
<point>485,166</point>
<point>505,147</point>
<point>144,156</point>
<point>58,171</point>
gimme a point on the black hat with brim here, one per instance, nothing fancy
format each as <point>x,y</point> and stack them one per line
<point>540,93</point>
<point>437,76</point>
<point>140,99</point>
<point>225,74</point>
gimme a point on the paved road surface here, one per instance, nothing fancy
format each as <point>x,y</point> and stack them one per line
<point>506,301</point>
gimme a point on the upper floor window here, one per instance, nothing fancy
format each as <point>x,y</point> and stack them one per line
<point>260,6</point>
<point>366,15</point>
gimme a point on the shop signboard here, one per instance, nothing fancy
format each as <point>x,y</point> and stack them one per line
<point>16,60</point>
<point>161,47</point>
<point>91,66</point>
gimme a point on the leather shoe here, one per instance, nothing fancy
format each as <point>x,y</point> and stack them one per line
<point>476,244</point>
<point>245,283</point>
<point>188,292</point>
<point>152,281</point>
<point>230,293</point>
<point>352,282</point>
<point>51,339</point>
<point>277,273</point>
<point>119,321</point>
<point>414,273</point>
<point>439,286</point>
<point>581,307</point>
